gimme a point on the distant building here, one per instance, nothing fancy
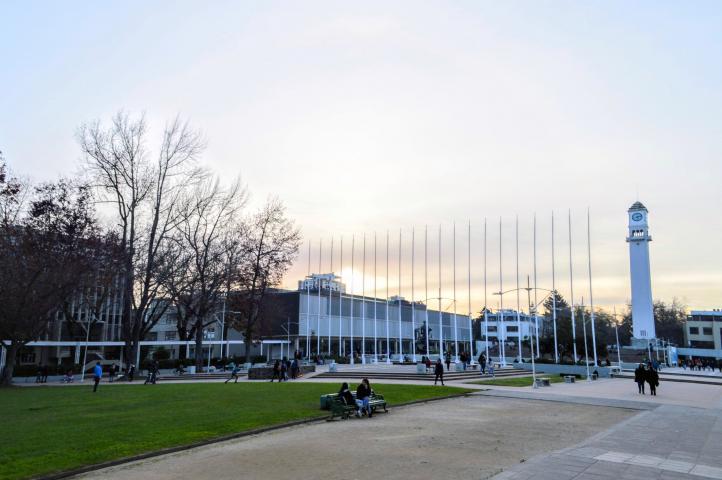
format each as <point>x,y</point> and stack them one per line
<point>503,325</point>
<point>703,329</point>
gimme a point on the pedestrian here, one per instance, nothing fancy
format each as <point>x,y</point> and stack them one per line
<point>439,372</point>
<point>639,377</point>
<point>448,361</point>
<point>97,375</point>
<point>234,372</point>
<point>46,370</point>
<point>482,364</point>
<point>276,371</point>
<point>284,370</point>
<point>39,375</point>
<point>652,378</point>
<point>131,372</point>
<point>111,373</point>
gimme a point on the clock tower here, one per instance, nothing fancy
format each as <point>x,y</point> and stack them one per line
<point>642,309</point>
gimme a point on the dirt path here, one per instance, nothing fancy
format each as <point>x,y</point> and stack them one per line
<point>473,437</point>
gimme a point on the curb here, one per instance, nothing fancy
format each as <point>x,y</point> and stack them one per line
<point>224,438</point>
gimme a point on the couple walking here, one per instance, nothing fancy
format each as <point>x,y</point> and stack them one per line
<point>649,375</point>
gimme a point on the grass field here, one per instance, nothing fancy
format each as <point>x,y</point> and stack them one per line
<point>514,381</point>
<point>51,429</point>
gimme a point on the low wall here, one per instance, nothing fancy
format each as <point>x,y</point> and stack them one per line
<point>266,373</point>
<point>557,369</point>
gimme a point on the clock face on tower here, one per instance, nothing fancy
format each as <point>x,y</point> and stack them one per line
<point>637,217</point>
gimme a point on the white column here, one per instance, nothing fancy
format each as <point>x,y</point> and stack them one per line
<point>591,297</point>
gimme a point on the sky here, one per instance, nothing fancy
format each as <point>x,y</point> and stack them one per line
<point>368,117</point>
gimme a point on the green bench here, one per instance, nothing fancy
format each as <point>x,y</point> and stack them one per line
<point>339,408</point>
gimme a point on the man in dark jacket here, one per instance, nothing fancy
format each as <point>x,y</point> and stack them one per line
<point>652,378</point>
<point>439,372</point>
<point>639,377</point>
<point>482,364</point>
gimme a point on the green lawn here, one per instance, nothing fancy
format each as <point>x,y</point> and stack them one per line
<point>515,381</point>
<point>50,429</point>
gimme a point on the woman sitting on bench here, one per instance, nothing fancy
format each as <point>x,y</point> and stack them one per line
<point>363,396</point>
<point>347,397</point>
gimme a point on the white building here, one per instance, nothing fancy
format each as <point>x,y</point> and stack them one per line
<point>503,325</point>
<point>641,281</point>
<point>324,281</point>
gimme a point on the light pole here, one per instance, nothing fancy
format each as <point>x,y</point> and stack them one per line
<point>532,310</point>
<point>528,289</point>
<point>586,355</point>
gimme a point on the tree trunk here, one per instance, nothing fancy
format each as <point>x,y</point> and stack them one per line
<point>199,348</point>
<point>6,378</point>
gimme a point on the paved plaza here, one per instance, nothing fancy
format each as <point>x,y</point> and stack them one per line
<point>586,430</point>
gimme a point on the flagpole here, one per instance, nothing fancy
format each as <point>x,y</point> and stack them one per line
<point>351,332</point>
<point>318,315</point>
<point>340,305</point>
<point>591,297</point>
<point>554,298</point>
<point>401,345</point>
<point>441,316</point>
<point>413,305</point>
<point>363,305</point>
<point>571,289</point>
<point>376,295</point>
<point>501,329</point>
<point>518,300</point>
<point>426,287</point>
<point>308,306</point>
<point>329,300</point>
<point>536,317</point>
<point>486,305</point>
<point>456,330</point>
<point>468,294</point>
<point>388,341</point>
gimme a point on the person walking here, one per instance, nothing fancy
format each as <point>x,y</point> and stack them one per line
<point>131,372</point>
<point>111,373</point>
<point>46,370</point>
<point>482,364</point>
<point>97,375</point>
<point>639,377</point>
<point>234,372</point>
<point>448,361</point>
<point>276,371</point>
<point>439,372</point>
<point>652,378</point>
<point>39,376</point>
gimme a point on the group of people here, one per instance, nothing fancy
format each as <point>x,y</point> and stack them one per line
<point>284,368</point>
<point>701,365</point>
<point>363,397</point>
<point>646,374</point>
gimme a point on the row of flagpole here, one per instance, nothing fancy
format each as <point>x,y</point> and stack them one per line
<point>501,332</point>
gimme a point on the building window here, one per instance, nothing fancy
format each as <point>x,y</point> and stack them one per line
<point>171,335</point>
<point>512,328</point>
<point>694,330</point>
<point>492,328</point>
<point>151,336</point>
<point>706,330</point>
<point>27,358</point>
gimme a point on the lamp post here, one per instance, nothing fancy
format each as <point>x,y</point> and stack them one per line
<point>586,355</point>
<point>532,310</point>
<point>528,289</point>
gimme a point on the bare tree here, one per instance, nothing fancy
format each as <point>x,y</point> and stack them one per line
<point>207,216</point>
<point>145,195</point>
<point>44,254</point>
<point>268,248</point>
